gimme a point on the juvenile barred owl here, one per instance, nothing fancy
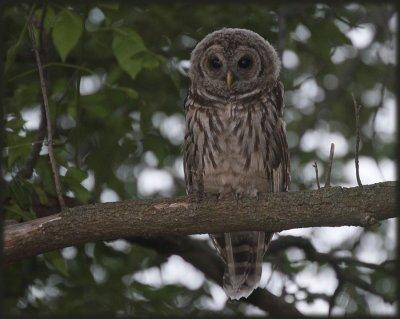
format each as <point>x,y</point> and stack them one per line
<point>235,142</point>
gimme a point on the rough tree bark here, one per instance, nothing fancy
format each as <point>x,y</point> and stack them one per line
<point>335,206</point>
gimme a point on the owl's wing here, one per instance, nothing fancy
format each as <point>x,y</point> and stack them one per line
<point>189,148</point>
<point>280,166</point>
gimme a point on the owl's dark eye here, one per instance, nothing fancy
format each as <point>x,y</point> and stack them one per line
<point>245,62</point>
<point>215,63</point>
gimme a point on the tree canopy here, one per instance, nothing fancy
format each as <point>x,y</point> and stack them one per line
<point>116,76</point>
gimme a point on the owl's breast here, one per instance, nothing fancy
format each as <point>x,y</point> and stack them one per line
<point>236,150</point>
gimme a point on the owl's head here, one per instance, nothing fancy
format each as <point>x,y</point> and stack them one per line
<point>233,63</point>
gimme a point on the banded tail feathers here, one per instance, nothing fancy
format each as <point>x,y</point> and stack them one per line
<point>243,254</point>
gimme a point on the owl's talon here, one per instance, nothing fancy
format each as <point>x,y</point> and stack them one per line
<point>216,197</point>
<point>238,196</point>
<point>194,201</point>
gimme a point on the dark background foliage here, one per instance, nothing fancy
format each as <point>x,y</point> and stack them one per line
<point>117,81</point>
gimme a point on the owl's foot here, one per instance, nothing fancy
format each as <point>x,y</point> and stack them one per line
<point>238,197</point>
<point>217,196</point>
<point>195,200</point>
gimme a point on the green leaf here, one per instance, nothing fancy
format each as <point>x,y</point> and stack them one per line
<point>73,179</point>
<point>15,124</point>
<point>17,151</point>
<point>10,57</point>
<point>149,60</point>
<point>133,67</point>
<point>20,190</point>
<point>57,262</point>
<point>80,192</point>
<point>75,175</point>
<point>49,19</point>
<point>12,51</point>
<point>15,212</point>
<point>126,45</point>
<point>41,194</point>
<point>67,30</point>
<point>114,74</point>
<point>128,91</point>
<point>109,6</point>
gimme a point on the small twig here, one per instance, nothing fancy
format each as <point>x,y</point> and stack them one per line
<point>329,170</point>
<point>357,109</point>
<point>378,108</point>
<point>335,294</point>
<point>27,171</point>
<point>315,165</point>
<point>305,79</point>
<point>282,31</point>
<point>48,119</point>
<point>78,118</point>
<point>40,142</point>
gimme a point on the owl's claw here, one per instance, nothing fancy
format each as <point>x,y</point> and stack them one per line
<point>238,196</point>
<point>217,196</point>
<point>194,201</point>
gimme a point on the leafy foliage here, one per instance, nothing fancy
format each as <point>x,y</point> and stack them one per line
<point>117,81</point>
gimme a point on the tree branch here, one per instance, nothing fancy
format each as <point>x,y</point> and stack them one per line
<point>342,273</point>
<point>43,85</point>
<point>335,206</point>
<point>204,258</point>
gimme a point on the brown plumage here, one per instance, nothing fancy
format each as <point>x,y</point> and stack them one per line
<point>235,141</point>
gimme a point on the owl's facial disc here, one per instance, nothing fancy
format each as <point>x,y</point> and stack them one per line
<point>230,71</point>
<point>232,64</point>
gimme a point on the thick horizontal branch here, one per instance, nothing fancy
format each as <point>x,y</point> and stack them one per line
<point>335,206</point>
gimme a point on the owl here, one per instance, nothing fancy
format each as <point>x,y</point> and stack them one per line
<point>235,139</point>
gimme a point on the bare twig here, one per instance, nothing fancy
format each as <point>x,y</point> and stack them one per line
<point>40,142</point>
<point>357,109</point>
<point>27,171</point>
<point>335,294</point>
<point>378,108</point>
<point>303,80</point>
<point>43,86</point>
<point>315,165</point>
<point>282,31</point>
<point>329,170</point>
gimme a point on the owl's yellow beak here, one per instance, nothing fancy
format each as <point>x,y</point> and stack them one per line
<point>229,79</point>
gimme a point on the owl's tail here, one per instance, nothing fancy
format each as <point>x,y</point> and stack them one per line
<point>243,254</point>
